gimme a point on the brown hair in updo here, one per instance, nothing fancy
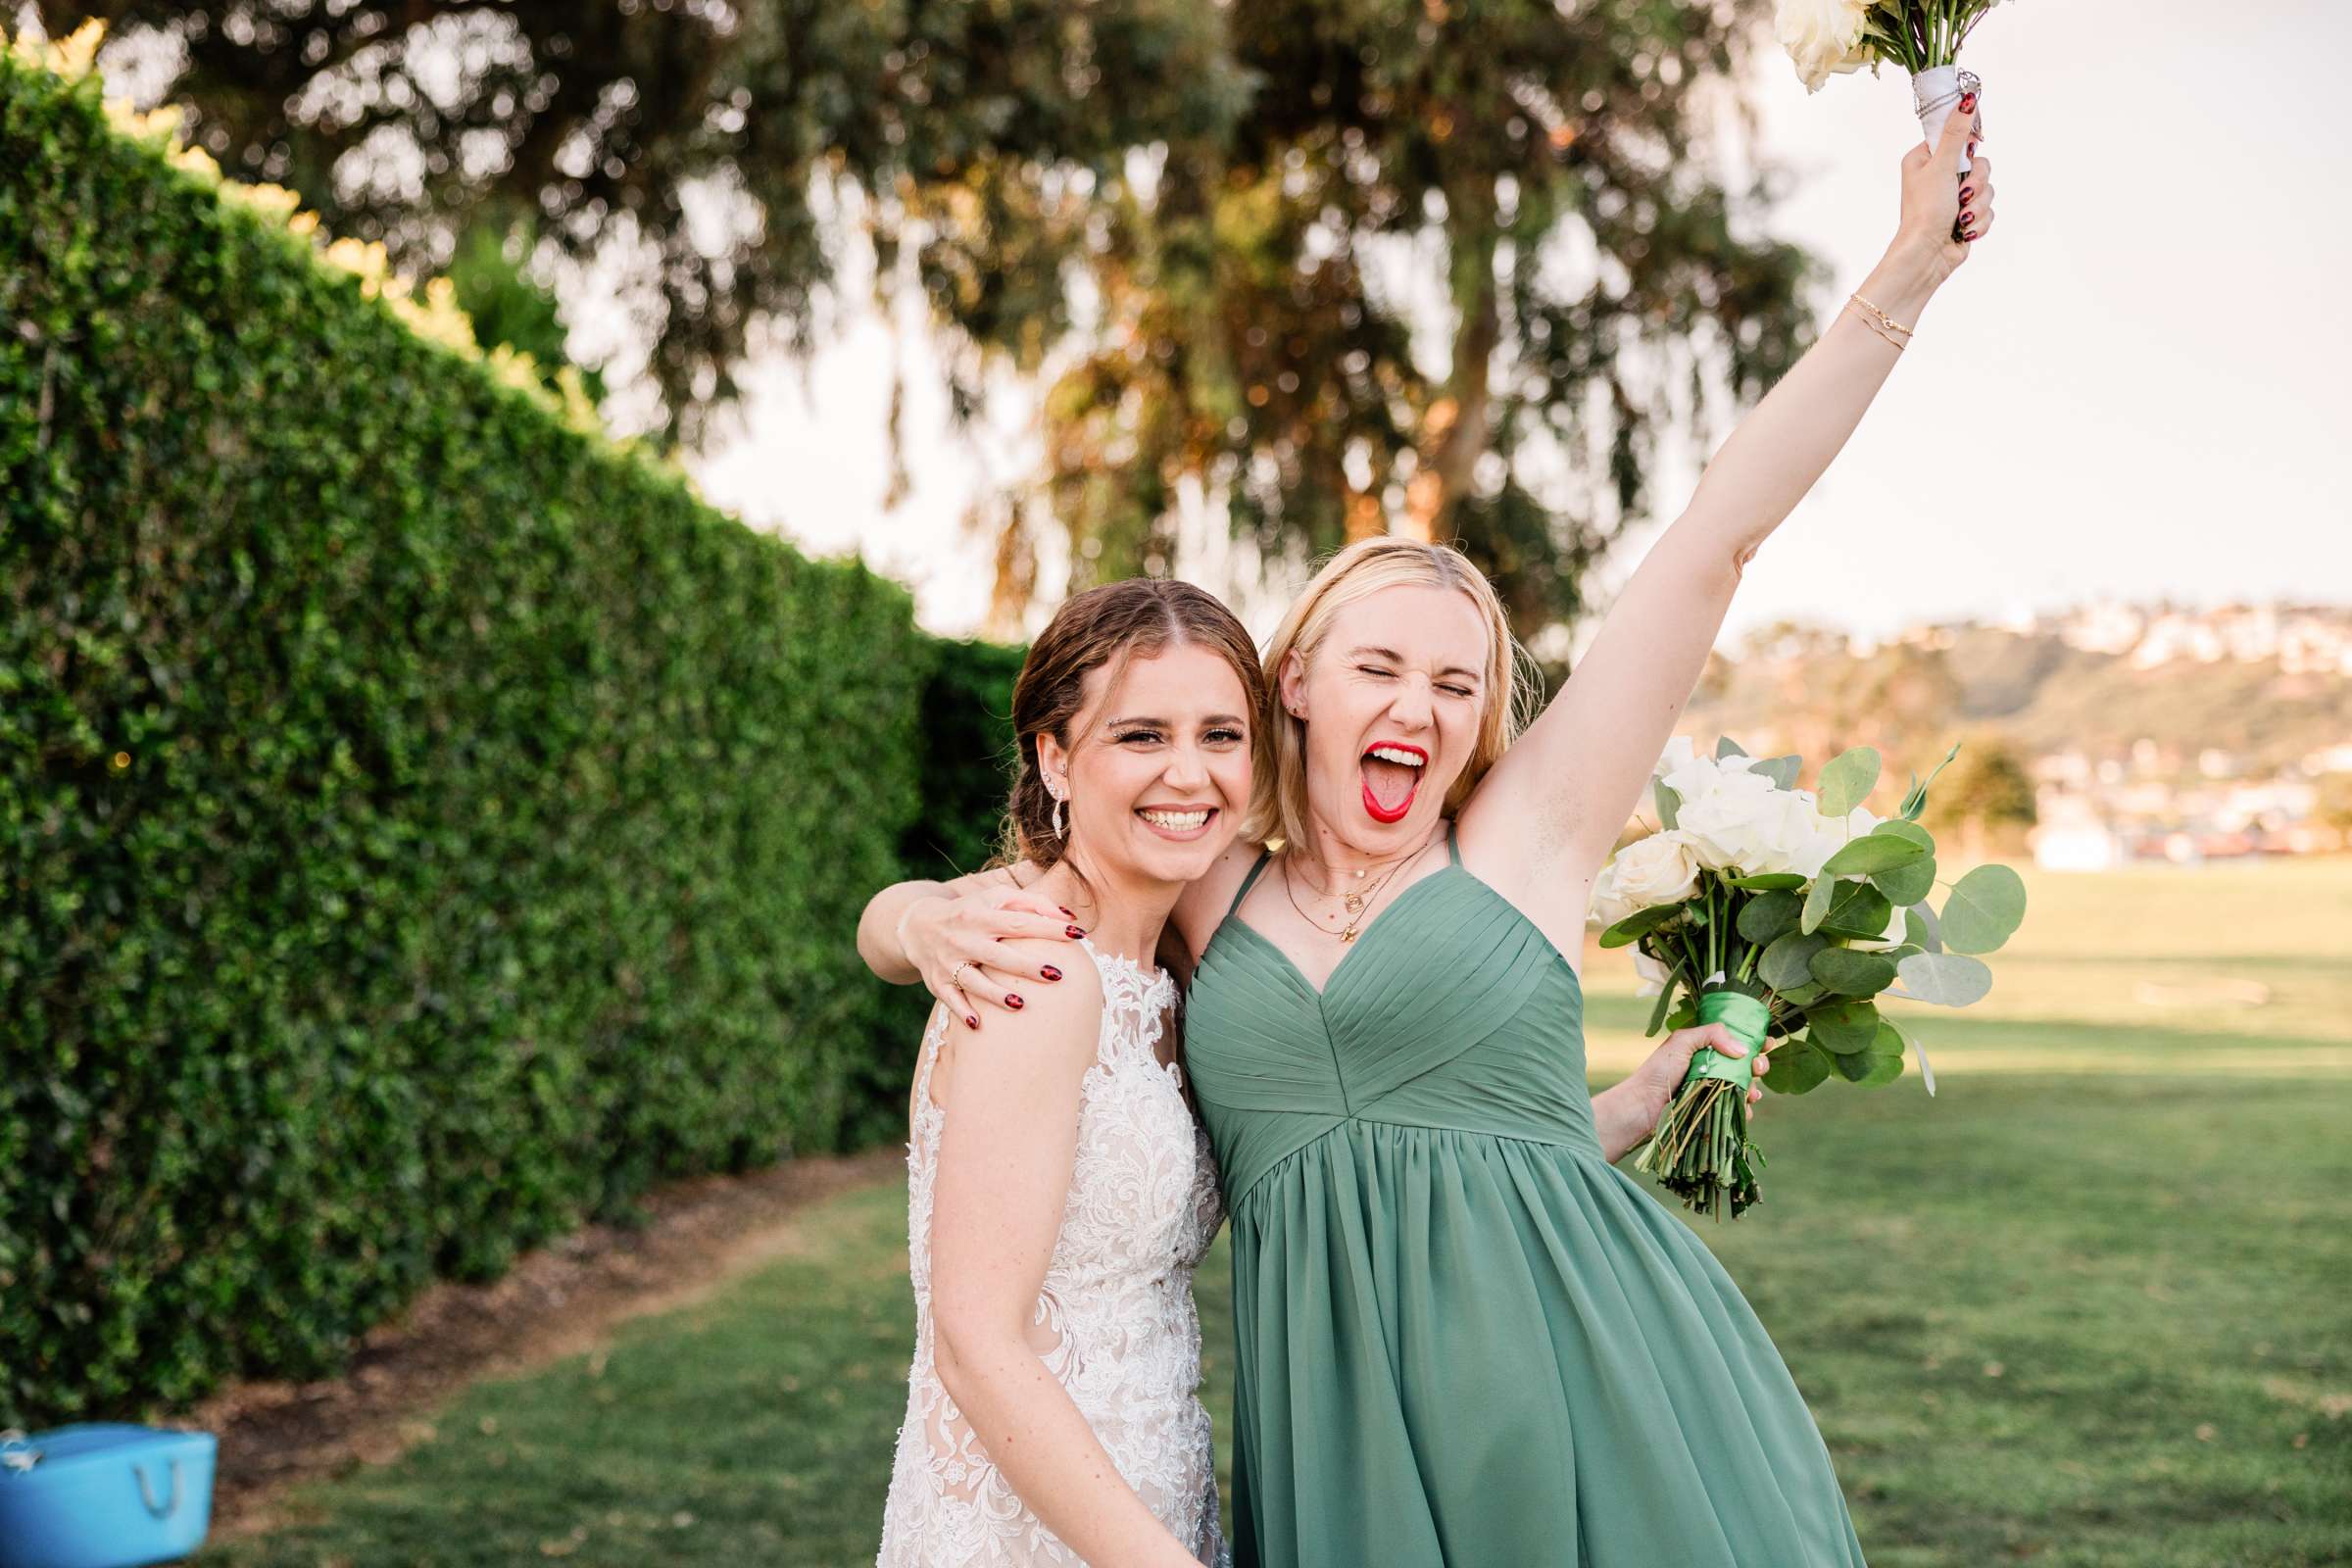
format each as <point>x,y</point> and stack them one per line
<point>1119,621</point>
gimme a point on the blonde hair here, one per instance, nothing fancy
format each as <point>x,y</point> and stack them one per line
<point>1278,810</point>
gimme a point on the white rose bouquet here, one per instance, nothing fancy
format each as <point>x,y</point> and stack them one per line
<point>1786,913</point>
<point>1830,37</point>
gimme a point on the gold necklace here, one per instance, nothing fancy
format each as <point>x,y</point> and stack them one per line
<point>1358,899</point>
<point>1357,903</point>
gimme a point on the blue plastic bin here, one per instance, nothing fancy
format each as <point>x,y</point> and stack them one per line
<point>104,1494</point>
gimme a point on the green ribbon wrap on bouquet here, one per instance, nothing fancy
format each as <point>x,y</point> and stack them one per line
<point>1747,1018</point>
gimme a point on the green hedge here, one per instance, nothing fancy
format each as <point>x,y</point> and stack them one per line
<point>426,827</point>
<point>967,756</point>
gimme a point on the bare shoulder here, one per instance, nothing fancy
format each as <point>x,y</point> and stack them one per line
<point>1044,1047</point>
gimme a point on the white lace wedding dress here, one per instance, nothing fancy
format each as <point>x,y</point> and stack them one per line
<point>1115,1309</point>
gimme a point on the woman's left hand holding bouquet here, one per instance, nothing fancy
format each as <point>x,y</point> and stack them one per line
<point>1624,1114</point>
<point>1945,212</point>
<point>1939,203</point>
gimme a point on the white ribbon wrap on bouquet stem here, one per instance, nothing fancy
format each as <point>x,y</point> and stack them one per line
<point>1935,92</point>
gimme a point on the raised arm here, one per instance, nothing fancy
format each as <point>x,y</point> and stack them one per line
<point>1547,814</point>
<point>1006,1154</point>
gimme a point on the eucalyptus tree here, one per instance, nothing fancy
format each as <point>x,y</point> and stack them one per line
<point>1326,267</point>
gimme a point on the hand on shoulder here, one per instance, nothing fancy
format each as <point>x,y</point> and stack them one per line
<point>1036,1053</point>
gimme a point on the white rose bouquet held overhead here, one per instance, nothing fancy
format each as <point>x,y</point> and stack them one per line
<point>1786,913</point>
<point>1830,37</point>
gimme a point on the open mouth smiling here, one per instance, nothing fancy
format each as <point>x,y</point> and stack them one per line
<point>1391,772</point>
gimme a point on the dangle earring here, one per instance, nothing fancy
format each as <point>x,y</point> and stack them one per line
<point>1057,825</point>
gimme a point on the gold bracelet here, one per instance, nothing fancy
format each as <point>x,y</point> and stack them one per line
<point>1877,330</point>
<point>1885,321</point>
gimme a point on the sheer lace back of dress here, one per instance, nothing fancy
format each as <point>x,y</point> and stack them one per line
<point>1114,1321</point>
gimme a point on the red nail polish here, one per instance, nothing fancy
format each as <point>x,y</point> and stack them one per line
<point>1972,149</point>
<point>1073,932</point>
<point>1968,100</point>
<point>1970,236</point>
<point>1014,1003</point>
<point>1966,191</point>
<point>1072,914</point>
<point>1050,973</point>
<point>970,1022</point>
<point>1967,218</point>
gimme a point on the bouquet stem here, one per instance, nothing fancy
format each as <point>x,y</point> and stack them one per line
<point>1700,1150</point>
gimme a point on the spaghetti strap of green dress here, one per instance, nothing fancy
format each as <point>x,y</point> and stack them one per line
<point>1465,1336</point>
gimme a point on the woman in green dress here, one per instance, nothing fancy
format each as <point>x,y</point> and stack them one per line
<point>1465,1336</point>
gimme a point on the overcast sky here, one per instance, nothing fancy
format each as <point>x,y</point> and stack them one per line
<point>2142,387</point>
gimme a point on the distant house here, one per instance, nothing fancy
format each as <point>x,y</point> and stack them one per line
<point>2072,836</point>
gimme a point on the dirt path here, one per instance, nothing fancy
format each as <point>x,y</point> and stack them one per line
<point>561,1300</point>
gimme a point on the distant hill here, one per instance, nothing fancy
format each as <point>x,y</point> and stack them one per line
<point>2268,686</point>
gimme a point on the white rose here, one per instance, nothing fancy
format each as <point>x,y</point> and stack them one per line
<point>1726,812</point>
<point>1680,750</point>
<point>1823,37</point>
<point>1609,905</point>
<point>1658,869</point>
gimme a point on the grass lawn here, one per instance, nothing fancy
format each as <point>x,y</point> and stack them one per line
<point>2087,1305</point>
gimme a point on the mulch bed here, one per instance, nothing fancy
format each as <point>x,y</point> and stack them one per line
<point>558,1301</point>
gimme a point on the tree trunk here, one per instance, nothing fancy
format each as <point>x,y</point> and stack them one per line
<point>1455,431</point>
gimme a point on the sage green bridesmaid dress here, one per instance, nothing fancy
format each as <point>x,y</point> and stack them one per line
<point>1466,1337</point>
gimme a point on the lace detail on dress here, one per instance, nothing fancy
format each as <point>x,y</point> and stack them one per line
<point>1114,1323</point>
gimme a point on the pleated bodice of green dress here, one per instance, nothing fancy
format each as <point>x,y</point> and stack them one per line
<point>1464,1337</point>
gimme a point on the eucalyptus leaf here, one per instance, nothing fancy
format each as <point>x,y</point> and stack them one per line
<point>1926,1073</point>
<point>1782,770</point>
<point>1788,961</point>
<point>1870,1069</point>
<point>1798,1067</point>
<point>1882,1063</point>
<point>1895,827</point>
<point>1848,973</point>
<point>1985,911</point>
<point>1914,800</point>
<point>1917,801</point>
<point>1669,803</point>
<point>1817,904</point>
<point>1639,924</point>
<point>1842,1027</point>
<point>1846,780</point>
<point>1871,853</point>
<point>1657,1012</point>
<point>1725,747</point>
<point>1921,928</point>
<point>1946,979</point>
<point>1907,884</point>
<point>1768,881</point>
<point>1803,996</point>
<point>1765,917</point>
<point>1858,911</point>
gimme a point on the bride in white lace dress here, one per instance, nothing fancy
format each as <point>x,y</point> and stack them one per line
<point>1060,1188</point>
